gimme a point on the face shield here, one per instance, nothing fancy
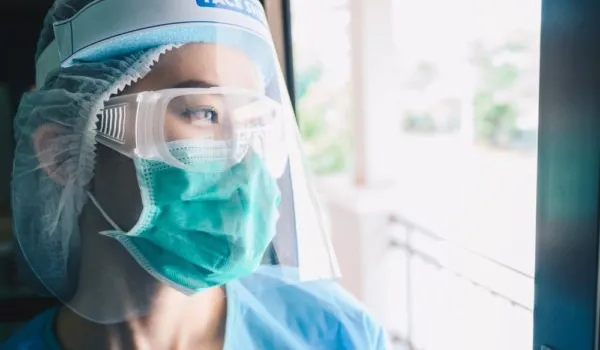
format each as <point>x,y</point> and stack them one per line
<point>209,128</point>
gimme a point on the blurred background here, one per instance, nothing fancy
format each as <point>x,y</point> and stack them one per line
<point>419,120</point>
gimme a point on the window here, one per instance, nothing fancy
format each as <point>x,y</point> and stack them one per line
<point>468,116</point>
<point>461,159</point>
<point>321,48</point>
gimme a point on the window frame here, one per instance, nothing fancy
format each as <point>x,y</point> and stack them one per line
<point>280,21</point>
<point>568,198</point>
<point>566,309</point>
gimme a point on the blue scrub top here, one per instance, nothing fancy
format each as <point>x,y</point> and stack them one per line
<point>264,314</point>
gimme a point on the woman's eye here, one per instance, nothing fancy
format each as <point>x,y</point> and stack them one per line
<point>201,114</point>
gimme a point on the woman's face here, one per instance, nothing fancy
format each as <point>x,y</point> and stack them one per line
<point>191,66</point>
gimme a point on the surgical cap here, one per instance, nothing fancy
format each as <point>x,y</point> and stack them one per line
<point>46,207</point>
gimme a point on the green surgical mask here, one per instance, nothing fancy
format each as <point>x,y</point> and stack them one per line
<point>204,228</point>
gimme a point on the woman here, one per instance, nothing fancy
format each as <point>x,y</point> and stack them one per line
<point>172,209</point>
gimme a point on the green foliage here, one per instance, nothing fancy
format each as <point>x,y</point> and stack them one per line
<point>328,149</point>
<point>311,122</point>
<point>502,77</point>
<point>496,121</point>
<point>418,121</point>
<point>307,77</point>
<point>496,115</point>
<point>327,152</point>
<point>332,158</point>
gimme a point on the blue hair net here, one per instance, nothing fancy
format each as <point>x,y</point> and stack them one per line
<point>48,187</point>
<point>48,184</point>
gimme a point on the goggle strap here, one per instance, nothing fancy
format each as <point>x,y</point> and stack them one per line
<point>111,123</point>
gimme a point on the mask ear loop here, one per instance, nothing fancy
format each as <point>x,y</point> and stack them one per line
<point>142,69</point>
<point>103,212</point>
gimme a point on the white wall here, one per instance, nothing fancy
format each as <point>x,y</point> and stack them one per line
<point>360,231</point>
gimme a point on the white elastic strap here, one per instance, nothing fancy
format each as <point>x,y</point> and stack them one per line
<point>102,212</point>
<point>48,61</point>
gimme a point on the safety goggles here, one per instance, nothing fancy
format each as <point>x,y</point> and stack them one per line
<point>217,123</point>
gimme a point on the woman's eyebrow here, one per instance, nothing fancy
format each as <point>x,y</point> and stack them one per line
<point>194,84</point>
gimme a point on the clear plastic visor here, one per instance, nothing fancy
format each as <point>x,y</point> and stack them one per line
<point>199,167</point>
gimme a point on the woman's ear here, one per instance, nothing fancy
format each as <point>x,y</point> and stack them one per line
<point>48,153</point>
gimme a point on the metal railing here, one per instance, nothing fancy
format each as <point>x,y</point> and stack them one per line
<point>465,264</point>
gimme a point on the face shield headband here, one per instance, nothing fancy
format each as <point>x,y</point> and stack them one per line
<point>86,37</point>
